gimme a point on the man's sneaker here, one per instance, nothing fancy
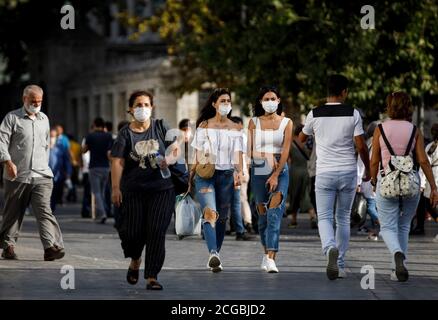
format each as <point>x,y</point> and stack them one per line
<point>332,263</point>
<point>435,239</point>
<point>400,269</point>
<point>264,265</point>
<point>217,269</point>
<point>53,253</point>
<point>9,253</point>
<point>270,266</point>
<point>243,237</point>
<point>214,261</point>
<point>393,276</point>
<point>342,273</point>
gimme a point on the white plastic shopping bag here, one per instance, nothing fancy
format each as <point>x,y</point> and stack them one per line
<point>187,216</point>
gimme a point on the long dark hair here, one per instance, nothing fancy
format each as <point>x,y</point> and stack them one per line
<point>258,109</point>
<point>208,111</point>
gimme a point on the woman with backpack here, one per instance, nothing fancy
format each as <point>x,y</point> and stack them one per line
<point>396,142</point>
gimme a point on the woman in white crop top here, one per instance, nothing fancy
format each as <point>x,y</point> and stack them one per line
<point>269,139</point>
<point>216,134</point>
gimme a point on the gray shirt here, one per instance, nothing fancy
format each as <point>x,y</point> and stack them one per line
<point>25,142</point>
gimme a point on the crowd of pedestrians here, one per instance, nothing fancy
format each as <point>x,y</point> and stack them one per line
<point>244,180</point>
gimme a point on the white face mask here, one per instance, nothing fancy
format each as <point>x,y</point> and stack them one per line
<point>142,114</point>
<point>224,109</point>
<point>270,106</point>
<point>33,108</point>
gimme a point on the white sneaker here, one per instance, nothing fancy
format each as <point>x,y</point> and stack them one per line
<point>393,276</point>
<point>435,239</point>
<point>342,273</point>
<point>270,266</point>
<point>214,261</point>
<point>264,265</point>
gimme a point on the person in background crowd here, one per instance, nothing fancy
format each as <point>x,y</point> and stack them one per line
<point>146,196</point>
<point>337,128</point>
<point>28,178</point>
<point>184,126</point>
<point>311,170</point>
<point>269,140</point>
<point>99,143</point>
<point>217,135</point>
<point>398,136</point>
<point>299,180</point>
<point>107,194</point>
<point>59,163</point>
<point>116,209</point>
<point>240,210</point>
<point>76,159</point>
<point>366,189</point>
<point>86,198</point>
<point>424,205</point>
<point>63,142</point>
<point>62,138</point>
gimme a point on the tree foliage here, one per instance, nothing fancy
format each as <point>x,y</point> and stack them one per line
<point>244,44</point>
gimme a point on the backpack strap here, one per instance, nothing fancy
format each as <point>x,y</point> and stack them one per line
<point>411,140</point>
<point>385,139</point>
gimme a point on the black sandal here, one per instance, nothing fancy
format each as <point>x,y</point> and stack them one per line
<point>154,285</point>
<point>133,275</point>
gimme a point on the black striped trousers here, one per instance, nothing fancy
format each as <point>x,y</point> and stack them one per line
<point>145,217</point>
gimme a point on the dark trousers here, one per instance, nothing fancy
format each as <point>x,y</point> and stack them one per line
<point>423,206</point>
<point>58,189</point>
<point>144,219</point>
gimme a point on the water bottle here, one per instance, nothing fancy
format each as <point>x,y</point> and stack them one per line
<point>165,173</point>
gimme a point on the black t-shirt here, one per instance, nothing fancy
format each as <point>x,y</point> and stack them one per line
<point>141,172</point>
<point>99,143</point>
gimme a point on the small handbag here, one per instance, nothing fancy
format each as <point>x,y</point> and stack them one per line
<point>206,167</point>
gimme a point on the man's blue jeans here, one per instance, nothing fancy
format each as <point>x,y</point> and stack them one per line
<point>269,222</point>
<point>98,182</point>
<point>339,186</point>
<point>215,193</point>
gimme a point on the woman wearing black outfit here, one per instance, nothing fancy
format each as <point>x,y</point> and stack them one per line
<point>147,200</point>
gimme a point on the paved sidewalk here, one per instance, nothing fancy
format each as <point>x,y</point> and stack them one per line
<point>100,269</point>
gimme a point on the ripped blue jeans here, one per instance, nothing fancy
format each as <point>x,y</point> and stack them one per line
<point>270,220</point>
<point>215,194</point>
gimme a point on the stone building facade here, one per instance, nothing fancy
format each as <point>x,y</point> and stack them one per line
<point>92,70</point>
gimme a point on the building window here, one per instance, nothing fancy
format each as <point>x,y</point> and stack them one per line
<point>122,106</point>
<point>108,107</point>
<point>74,112</point>
<point>97,105</point>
